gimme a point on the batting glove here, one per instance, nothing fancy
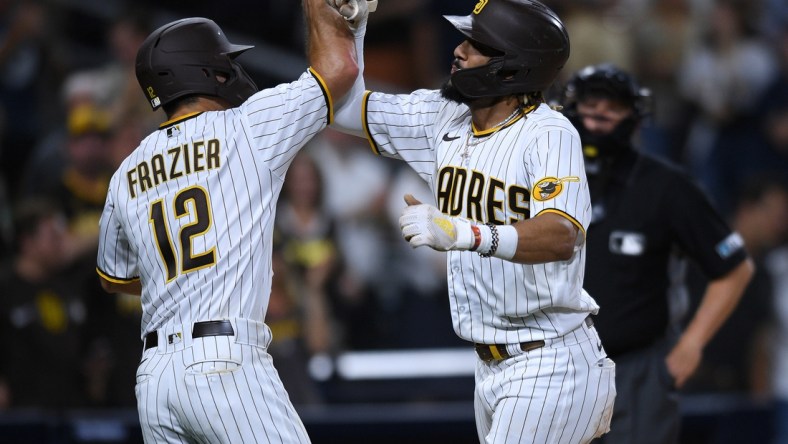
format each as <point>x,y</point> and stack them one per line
<point>423,224</point>
<point>355,11</point>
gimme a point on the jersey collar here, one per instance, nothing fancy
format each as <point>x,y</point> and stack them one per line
<point>179,119</point>
<point>487,132</point>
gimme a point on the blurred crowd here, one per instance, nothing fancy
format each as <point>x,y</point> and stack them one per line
<point>71,111</point>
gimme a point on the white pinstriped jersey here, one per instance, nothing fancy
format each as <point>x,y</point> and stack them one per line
<point>531,165</point>
<point>190,212</point>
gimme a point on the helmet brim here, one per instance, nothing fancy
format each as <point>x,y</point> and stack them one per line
<point>236,50</point>
<point>462,23</point>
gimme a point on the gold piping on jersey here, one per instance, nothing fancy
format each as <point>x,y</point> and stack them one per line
<point>115,280</point>
<point>326,94</point>
<point>550,187</point>
<point>494,129</point>
<point>365,122</point>
<point>179,119</point>
<point>568,217</point>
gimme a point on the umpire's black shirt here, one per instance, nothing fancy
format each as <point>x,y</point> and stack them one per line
<point>643,211</point>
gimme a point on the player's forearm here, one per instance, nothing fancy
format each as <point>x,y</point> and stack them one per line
<point>549,237</point>
<point>330,47</point>
<point>546,238</point>
<point>348,113</point>
<point>721,297</point>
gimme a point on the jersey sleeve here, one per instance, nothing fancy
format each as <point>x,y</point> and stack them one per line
<point>556,174</point>
<point>116,262</point>
<point>282,119</point>
<point>403,126</point>
<point>701,231</point>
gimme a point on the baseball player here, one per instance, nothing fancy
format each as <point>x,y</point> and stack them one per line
<point>645,212</point>
<point>513,205</point>
<point>188,223</point>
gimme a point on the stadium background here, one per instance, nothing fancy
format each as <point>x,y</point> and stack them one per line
<point>363,338</point>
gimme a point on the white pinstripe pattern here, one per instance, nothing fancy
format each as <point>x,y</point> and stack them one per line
<point>219,389</point>
<point>492,300</point>
<point>572,402</point>
<point>252,147</point>
<point>563,392</point>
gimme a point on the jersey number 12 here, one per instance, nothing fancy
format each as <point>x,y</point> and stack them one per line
<point>194,202</point>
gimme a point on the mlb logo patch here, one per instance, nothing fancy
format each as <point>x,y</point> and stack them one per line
<point>627,243</point>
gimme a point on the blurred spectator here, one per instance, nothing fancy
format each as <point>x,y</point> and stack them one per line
<point>723,78</point>
<point>355,185</point>
<point>416,275</point>
<point>303,261</point>
<point>760,217</point>
<point>29,76</point>
<point>82,176</point>
<point>307,235</point>
<point>755,144</point>
<point>661,38</point>
<point>123,99</point>
<point>42,314</point>
<point>299,320</point>
<point>599,31</point>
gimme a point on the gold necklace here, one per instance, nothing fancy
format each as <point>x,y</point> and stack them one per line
<point>466,153</point>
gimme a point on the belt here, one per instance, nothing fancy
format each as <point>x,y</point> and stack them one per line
<point>497,352</point>
<point>199,330</point>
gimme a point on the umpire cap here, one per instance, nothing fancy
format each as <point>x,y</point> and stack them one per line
<point>191,56</point>
<point>531,38</point>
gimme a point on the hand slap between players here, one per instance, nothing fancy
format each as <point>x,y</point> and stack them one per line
<point>354,11</point>
<point>423,224</point>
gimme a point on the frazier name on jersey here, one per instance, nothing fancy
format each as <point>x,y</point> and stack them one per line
<point>180,160</point>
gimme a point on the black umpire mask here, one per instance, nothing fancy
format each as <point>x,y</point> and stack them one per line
<point>605,147</point>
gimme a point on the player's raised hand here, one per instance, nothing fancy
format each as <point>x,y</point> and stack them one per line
<point>423,224</point>
<point>355,11</point>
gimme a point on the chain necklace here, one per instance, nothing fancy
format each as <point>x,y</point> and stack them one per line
<point>466,151</point>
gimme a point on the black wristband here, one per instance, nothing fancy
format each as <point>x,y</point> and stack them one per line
<point>494,243</point>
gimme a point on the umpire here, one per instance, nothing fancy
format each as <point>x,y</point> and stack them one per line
<point>648,218</point>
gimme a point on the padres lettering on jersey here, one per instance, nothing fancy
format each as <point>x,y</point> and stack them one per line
<point>459,188</point>
<point>530,165</point>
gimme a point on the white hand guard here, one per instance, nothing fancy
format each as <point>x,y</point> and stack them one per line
<point>425,225</point>
<point>355,11</point>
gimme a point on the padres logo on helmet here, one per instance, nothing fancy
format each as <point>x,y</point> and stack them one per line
<point>550,187</point>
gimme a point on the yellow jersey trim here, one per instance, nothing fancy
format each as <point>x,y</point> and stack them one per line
<point>179,119</point>
<point>568,217</point>
<point>365,122</point>
<point>326,94</point>
<point>489,131</point>
<point>115,280</point>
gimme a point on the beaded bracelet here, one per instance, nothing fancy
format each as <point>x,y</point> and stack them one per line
<point>494,244</point>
